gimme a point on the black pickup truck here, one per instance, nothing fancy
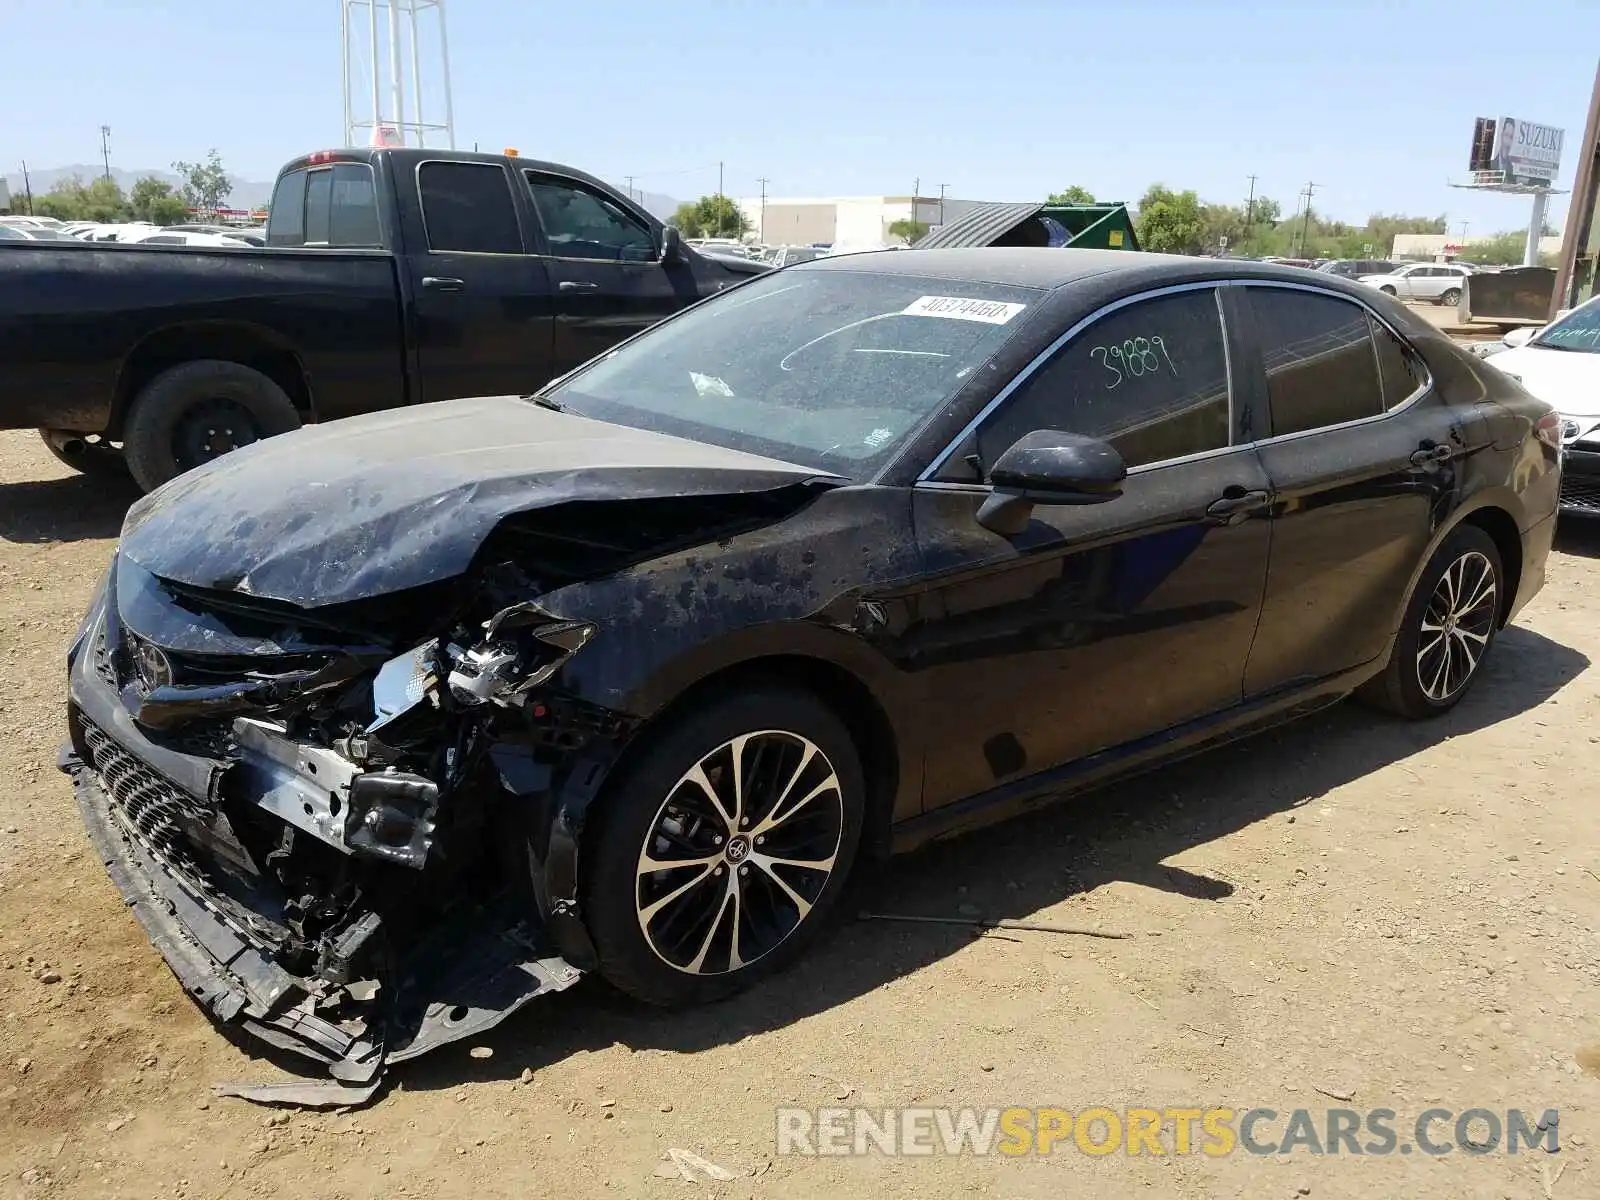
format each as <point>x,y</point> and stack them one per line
<point>389,277</point>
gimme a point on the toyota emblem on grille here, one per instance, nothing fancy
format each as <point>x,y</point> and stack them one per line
<point>151,665</point>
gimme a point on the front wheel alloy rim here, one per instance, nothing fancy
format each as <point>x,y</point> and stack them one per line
<point>1456,626</point>
<point>739,852</point>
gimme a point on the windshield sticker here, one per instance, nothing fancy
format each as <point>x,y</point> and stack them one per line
<point>957,308</point>
<point>878,438</point>
<point>990,312</point>
<point>710,385</point>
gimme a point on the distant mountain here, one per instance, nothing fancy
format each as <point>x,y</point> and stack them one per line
<point>657,205</point>
<point>247,193</point>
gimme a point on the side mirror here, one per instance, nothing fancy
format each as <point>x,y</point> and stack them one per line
<point>1522,336</point>
<point>1049,466</point>
<point>671,245</point>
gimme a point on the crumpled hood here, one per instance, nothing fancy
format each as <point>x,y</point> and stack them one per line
<point>380,503</point>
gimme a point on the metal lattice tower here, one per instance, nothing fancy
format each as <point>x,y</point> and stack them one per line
<point>382,44</point>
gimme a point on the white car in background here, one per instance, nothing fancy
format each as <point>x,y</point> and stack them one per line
<point>1440,282</point>
<point>180,237</point>
<point>1560,364</point>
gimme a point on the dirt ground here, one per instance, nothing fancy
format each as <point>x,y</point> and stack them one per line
<point>1405,915</point>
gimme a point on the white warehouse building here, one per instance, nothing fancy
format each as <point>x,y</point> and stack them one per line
<point>846,222</point>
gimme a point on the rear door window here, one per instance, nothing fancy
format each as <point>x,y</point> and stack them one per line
<point>467,208</point>
<point>1321,365</point>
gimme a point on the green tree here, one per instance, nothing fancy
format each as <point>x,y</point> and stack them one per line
<point>907,230</point>
<point>205,184</point>
<point>1071,195</point>
<point>710,216</point>
<point>1170,222</point>
<point>1383,226</point>
<point>73,200</point>
<point>1264,211</point>
<point>64,201</point>
<point>152,200</point>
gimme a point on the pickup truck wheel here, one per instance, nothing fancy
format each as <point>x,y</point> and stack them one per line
<point>197,411</point>
<point>85,453</point>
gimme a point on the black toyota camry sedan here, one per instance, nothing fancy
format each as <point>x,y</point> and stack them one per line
<point>387,726</point>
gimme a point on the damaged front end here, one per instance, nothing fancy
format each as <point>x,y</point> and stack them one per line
<point>337,843</point>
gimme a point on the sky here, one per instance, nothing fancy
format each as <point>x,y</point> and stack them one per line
<point>998,99</point>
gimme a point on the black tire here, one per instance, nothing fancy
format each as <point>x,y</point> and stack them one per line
<point>1409,685</point>
<point>1450,298</point>
<point>88,455</point>
<point>197,411</point>
<point>617,888</point>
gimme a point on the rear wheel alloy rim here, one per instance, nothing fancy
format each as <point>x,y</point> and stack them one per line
<point>210,429</point>
<point>1456,626</point>
<point>739,852</point>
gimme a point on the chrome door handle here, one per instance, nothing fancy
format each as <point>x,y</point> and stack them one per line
<point>1427,456</point>
<point>442,283</point>
<point>574,285</point>
<point>1236,506</point>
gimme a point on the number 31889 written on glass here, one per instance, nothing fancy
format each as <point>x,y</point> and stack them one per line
<point>1136,357</point>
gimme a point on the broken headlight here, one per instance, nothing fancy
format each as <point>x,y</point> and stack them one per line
<point>522,647</point>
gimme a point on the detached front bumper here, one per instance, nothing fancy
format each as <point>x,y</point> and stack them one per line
<point>143,803</point>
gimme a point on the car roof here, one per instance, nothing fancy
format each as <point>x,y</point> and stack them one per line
<point>1047,268</point>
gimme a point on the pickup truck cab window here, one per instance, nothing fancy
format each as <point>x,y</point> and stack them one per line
<point>579,223</point>
<point>286,222</point>
<point>325,206</point>
<point>467,208</point>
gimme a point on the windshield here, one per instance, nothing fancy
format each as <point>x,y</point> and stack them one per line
<point>1578,330</point>
<point>823,367</point>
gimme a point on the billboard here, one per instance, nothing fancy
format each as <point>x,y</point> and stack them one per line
<point>1520,151</point>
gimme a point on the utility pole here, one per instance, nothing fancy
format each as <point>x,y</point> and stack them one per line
<point>105,148</point>
<point>27,187</point>
<point>629,178</point>
<point>943,188</point>
<point>720,225</point>
<point>761,233</point>
<point>1250,211</point>
<point>1305,224</point>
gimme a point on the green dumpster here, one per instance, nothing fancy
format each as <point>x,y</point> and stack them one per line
<point>1091,226</point>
